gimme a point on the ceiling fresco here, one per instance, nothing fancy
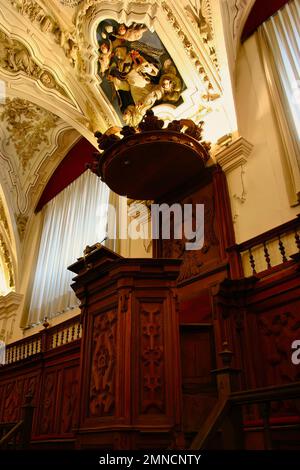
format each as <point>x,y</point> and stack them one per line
<point>136,70</point>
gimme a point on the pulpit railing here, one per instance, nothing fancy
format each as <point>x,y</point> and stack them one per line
<point>47,339</point>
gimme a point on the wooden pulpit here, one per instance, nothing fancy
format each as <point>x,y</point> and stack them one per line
<point>130,387</point>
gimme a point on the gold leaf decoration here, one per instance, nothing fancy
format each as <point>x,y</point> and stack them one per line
<point>28,126</point>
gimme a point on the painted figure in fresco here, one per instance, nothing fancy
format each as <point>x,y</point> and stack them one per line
<point>168,89</point>
<point>106,51</point>
<point>131,33</point>
<point>140,75</point>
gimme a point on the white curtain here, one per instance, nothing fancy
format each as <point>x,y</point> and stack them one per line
<point>75,218</point>
<point>279,41</point>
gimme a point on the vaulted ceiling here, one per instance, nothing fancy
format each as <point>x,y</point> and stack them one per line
<point>50,93</point>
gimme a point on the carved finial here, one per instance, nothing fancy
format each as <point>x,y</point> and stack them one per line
<point>46,324</point>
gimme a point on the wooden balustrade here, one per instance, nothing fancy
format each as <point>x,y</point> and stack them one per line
<point>46,340</point>
<point>270,249</point>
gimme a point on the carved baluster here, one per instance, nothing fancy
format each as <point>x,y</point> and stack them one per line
<point>297,239</point>
<point>252,261</point>
<point>62,337</point>
<point>78,331</point>
<point>282,249</point>
<point>56,339</point>
<point>7,356</point>
<point>67,335</point>
<point>267,256</point>
<point>73,332</point>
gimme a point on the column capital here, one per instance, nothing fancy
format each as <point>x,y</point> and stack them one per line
<point>234,154</point>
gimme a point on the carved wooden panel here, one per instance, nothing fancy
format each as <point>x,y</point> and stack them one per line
<point>198,385</point>
<point>195,261</point>
<point>48,403</point>
<point>278,329</point>
<point>152,391</point>
<point>103,370</point>
<point>12,401</point>
<point>69,404</point>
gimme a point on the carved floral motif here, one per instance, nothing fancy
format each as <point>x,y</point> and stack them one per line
<point>29,127</point>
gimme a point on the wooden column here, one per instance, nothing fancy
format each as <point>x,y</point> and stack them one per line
<point>130,369</point>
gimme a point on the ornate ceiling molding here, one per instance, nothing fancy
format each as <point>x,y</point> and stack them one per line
<point>200,18</point>
<point>238,12</point>
<point>30,139</point>
<point>7,259</point>
<point>48,23</point>
<point>15,58</point>
<point>28,126</point>
<point>3,217</point>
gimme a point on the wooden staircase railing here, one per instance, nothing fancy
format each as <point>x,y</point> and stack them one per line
<point>227,414</point>
<point>18,435</point>
<point>266,252</point>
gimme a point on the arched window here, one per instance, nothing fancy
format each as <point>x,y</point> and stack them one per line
<point>73,219</point>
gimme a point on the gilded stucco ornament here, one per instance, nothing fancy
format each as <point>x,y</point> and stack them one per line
<point>211,93</point>
<point>200,15</point>
<point>3,217</point>
<point>28,126</point>
<point>48,24</point>
<point>15,58</point>
<point>4,253</point>
<point>21,221</point>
